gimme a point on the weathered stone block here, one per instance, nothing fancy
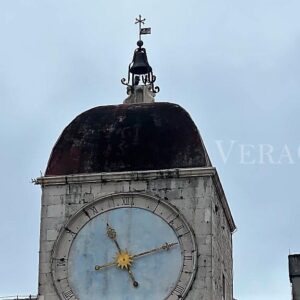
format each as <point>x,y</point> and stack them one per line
<point>55,210</point>
<point>52,234</point>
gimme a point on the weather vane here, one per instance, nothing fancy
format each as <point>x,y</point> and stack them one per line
<point>141,21</point>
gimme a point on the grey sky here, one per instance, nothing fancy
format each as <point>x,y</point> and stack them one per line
<point>233,65</point>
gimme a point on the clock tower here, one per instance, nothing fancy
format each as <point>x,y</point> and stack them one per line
<point>131,206</point>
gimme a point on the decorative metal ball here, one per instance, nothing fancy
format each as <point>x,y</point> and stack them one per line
<point>140,43</point>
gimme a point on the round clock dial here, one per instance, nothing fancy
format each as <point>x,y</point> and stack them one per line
<point>125,246</point>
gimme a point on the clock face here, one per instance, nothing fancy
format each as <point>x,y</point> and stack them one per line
<point>127,247</point>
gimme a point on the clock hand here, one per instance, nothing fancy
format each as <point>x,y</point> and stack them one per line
<point>166,246</point>
<point>98,268</point>
<point>134,282</point>
<point>116,263</point>
<point>112,234</point>
<point>123,260</point>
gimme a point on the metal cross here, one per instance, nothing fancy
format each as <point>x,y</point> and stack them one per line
<point>140,21</point>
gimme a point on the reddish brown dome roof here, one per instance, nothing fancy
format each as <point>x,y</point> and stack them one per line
<point>148,136</point>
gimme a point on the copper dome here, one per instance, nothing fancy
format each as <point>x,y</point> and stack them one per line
<point>113,138</point>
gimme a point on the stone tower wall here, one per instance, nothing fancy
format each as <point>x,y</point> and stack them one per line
<point>196,192</point>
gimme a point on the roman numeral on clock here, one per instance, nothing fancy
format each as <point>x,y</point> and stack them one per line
<point>68,294</point>
<point>61,262</point>
<point>179,227</point>
<point>127,201</point>
<point>93,210</point>
<point>188,257</point>
<point>179,290</point>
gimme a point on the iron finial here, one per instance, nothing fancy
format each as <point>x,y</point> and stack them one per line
<point>139,70</point>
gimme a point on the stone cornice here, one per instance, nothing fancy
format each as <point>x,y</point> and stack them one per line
<point>125,176</point>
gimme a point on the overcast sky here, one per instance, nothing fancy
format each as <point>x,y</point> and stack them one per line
<point>233,65</point>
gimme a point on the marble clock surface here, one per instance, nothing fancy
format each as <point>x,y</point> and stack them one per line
<point>138,230</point>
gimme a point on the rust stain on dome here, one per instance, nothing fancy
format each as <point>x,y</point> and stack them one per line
<point>113,138</point>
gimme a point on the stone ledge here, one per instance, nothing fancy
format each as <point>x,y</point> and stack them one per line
<point>125,176</point>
